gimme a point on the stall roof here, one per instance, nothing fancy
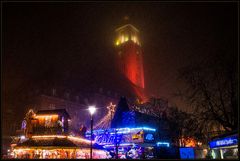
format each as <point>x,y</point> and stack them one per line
<point>55,142</point>
<point>56,111</point>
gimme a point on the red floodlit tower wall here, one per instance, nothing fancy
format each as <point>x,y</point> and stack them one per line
<point>130,54</point>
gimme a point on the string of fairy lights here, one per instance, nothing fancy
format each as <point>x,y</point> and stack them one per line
<point>105,122</point>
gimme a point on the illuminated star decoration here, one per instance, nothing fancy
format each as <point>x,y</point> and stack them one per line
<point>105,122</point>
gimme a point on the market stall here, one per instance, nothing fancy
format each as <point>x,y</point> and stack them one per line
<point>224,147</point>
<point>56,147</point>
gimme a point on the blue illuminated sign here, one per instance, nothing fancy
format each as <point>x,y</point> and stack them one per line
<point>149,137</point>
<point>125,130</point>
<point>186,153</point>
<point>163,144</point>
<point>228,141</point>
<point>107,139</point>
<point>122,135</point>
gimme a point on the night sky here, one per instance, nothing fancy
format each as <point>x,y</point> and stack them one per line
<point>43,40</point>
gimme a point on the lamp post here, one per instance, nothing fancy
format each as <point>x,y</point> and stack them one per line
<point>92,110</point>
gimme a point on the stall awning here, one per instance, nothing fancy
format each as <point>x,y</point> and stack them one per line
<point>53,142</point>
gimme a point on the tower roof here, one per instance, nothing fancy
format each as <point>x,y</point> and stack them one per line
<point>127,26</point>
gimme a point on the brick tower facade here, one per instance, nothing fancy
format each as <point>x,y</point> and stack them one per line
<point>129,54</point>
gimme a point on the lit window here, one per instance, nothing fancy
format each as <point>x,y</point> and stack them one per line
<point>126,38</point>
<point>134,39</point>
<point>122,39</point>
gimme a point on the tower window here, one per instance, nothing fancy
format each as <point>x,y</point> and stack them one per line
<point>134,39</point>
<point>126,38</point>
<point>122,39</point>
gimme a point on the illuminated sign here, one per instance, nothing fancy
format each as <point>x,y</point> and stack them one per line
<point>106,139</point>
<point>163,144</point>
<point>186,153</point>
<point>149,137</point>
<point>228,141</point>
<point>124,135</point>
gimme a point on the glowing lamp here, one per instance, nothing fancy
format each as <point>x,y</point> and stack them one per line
<point>92,109</point>
<point>22,137</point>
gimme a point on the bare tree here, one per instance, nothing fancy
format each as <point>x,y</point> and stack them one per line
<point>155,106</point>
<point>211,89</point>
<point>175,122</point>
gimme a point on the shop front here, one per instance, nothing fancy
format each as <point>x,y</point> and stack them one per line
<point>126,143</point>
<point>57,153</point>
<point>224,147</point>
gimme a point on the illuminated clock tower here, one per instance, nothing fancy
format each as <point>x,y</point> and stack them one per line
<point>129,54</point>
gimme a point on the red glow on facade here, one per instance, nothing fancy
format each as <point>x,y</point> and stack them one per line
<point>130,57</point>
<point>130,54</point>
<point>141,94</point>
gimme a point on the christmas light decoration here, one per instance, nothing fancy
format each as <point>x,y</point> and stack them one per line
<point>163,144</point>
<point>49,115</point>
<point>105,122</point>
<point>49,136</point>
<point>73,138</point>
<point>79,139</point>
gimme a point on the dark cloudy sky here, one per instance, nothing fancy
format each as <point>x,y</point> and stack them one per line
<point>42,38</point>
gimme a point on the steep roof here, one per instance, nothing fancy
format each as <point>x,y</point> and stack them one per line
<point>124,117</point>
<point>127,26</point>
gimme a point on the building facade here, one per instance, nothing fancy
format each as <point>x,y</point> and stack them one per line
<point>134,135</point>
<point>130,54</point>
<point>129,57</point>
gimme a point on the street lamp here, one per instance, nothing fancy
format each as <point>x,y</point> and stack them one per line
<point>92,110</point>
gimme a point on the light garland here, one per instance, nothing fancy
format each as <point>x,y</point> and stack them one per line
<point>79,139</point>
<point>49,136</point>
<point>105,122</point>
<point>62,136</point>
<point>53,115</point>
<point>123,144</point>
